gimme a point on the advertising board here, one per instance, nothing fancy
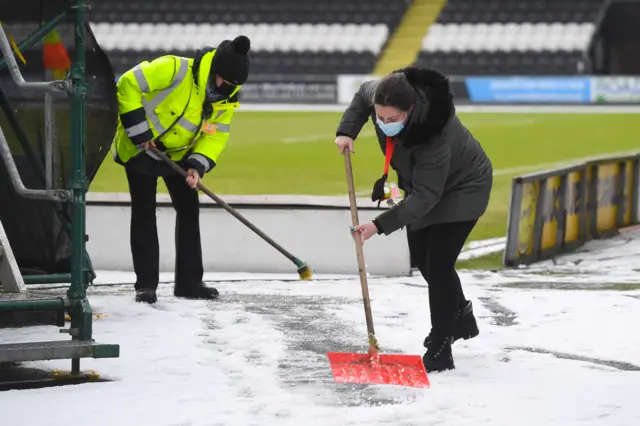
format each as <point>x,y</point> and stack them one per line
<point>524,89</point>
<point>555,211</point>
<point>615,89</point>
<point>302,92</point>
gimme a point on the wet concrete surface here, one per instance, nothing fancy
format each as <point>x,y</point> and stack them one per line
<point>555,285</point>
<point>618,365</point>
<point>503,316</point>
<point>311,330</point>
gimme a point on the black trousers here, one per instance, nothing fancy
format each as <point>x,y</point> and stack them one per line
<point>435,249</point>
<point>143,173</point>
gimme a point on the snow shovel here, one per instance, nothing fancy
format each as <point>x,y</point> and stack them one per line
<point>304,271</point>
<point>373,367</point>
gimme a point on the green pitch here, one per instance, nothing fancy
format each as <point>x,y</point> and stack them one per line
<point>294,153</point>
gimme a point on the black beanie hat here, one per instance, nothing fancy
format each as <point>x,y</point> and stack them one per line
<point>231,61</point>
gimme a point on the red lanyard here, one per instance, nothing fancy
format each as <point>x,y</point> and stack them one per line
<point>388,154</point>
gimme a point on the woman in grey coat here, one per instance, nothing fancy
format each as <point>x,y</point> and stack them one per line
<point>446,178</point>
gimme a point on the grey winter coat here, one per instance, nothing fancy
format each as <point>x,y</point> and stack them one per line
<point>442,168</point>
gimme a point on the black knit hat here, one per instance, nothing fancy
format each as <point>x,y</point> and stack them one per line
<point>231,61</point>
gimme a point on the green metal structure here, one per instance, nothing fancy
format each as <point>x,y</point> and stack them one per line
<point>29,307</point>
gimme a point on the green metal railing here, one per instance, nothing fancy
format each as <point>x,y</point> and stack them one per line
<point>77,304</point>
<point>47,279</point>
<point>80,310</point>
<point>43,173</point>
<point>33,305</point>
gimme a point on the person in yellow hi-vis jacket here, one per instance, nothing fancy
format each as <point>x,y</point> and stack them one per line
<point>183,107</point>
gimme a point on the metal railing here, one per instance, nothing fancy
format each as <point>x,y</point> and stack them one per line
<point>56,86</point>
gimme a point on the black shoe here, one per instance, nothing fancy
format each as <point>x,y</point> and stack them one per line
<point>438,356</point>
<point>466,326</point>
<point>199,291</point>
<point>146,296</point>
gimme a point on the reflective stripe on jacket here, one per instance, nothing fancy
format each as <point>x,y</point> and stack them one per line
<point>153,95</point>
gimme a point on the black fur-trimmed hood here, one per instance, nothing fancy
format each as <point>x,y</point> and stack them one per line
<point>434,107</point>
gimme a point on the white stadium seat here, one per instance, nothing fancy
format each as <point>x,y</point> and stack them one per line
<point>265,37</point>
<point>507,37</point>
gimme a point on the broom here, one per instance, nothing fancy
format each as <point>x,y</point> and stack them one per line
<point>303,269</point>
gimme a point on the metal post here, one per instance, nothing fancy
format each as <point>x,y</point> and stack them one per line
<point>538,224</point>
<point>593,201</point>
<point>81,320</point>
<point>48,135</point>
<point>512,255</point>
<point>621,200</point>
<point>635,185</point>
<point>561,220</point>
<point>583,231</point>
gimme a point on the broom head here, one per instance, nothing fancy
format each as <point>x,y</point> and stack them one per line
<point>305,272</point>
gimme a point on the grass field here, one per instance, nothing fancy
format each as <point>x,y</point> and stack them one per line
<point>293,153</point>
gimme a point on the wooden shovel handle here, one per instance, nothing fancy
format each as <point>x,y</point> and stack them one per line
<point>359,251</point>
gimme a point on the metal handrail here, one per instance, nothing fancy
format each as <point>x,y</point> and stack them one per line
<point>16,180</point>
<point>42,86</point>
<point>56,86</point>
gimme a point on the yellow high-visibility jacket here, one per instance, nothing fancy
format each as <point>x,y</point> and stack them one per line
<point>153,95</point>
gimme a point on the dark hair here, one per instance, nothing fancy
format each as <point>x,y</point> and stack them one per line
<point>395,90</point>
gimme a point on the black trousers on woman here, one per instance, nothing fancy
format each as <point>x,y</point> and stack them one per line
<point>143,173</point>
<point>434,250</point>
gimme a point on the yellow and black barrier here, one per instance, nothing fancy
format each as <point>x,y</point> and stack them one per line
<point>556,211</point>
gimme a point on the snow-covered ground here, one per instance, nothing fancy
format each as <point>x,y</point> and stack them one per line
<point>258,355</point>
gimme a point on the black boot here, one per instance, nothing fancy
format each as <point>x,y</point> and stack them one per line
<point>466,326</point>
<point>146,296</point>
<point>438,356</point>
<point>199,291</point>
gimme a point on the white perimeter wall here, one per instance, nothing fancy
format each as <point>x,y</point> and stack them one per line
<point>316,231</point>
<point>319,236</point>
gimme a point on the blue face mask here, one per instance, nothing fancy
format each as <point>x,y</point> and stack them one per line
<point>390,129</point>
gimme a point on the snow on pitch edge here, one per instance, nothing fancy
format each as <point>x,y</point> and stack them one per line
<point>258,355</point>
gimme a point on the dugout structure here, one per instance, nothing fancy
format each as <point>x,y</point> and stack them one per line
<point>58,112</point>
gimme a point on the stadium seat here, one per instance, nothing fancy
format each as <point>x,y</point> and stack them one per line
<point>326,37</point>
<point>388,12</point>
<point>350,48</point>
<point>476,37</point>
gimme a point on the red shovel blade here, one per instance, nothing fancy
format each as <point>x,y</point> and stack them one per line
<point>403,370</point>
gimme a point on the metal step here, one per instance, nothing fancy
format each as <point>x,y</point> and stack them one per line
<point>31,308</point>
<point>7,296</point>
<point>65,349</point>
<point>29,301</point>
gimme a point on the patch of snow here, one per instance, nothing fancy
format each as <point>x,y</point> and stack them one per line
<point>258,356</point>
<point>481,248</point>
